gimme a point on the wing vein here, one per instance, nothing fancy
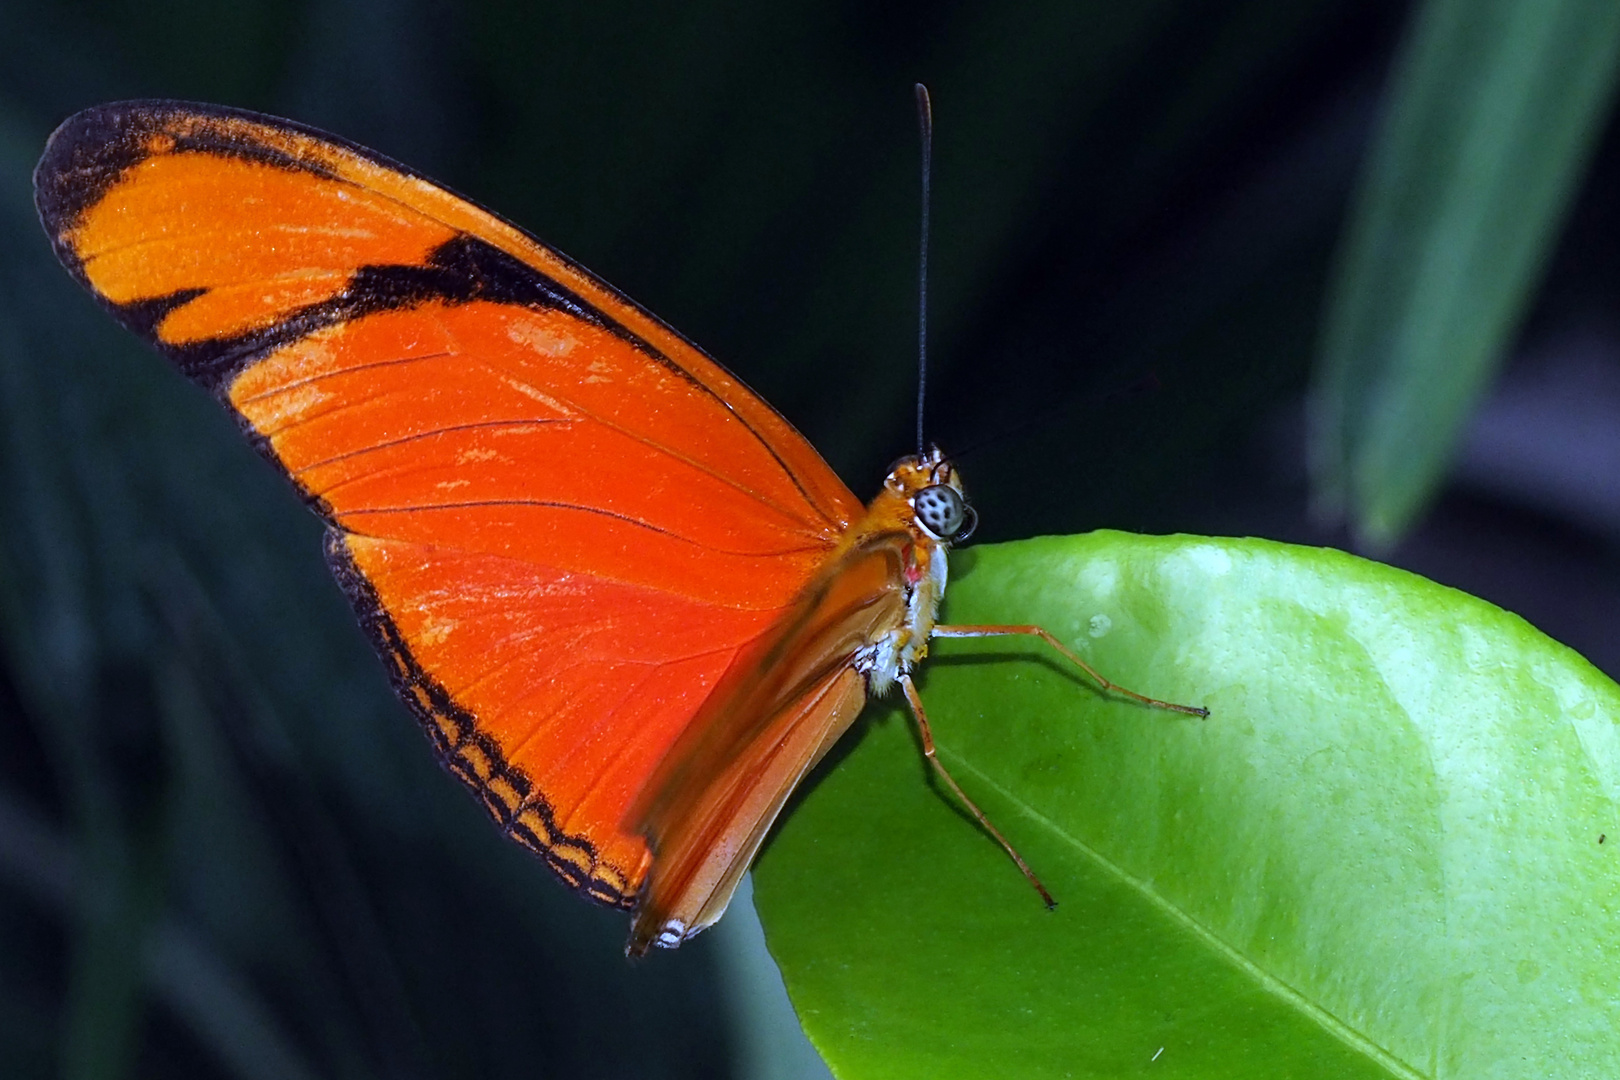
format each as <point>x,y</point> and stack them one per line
<point>673,454</point>
<point>418,437</point>
<point>553,505</point>
<point>296,384</point>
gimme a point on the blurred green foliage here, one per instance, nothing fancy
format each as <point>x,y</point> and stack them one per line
<point>224,849</point>
<point>1492,113</point>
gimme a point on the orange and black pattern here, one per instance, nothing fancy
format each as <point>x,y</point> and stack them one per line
<point>559,521</point>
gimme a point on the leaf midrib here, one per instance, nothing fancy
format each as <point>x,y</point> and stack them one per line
<point>1269,982</point>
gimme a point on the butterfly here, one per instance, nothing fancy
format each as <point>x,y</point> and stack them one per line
<point>630,604</point>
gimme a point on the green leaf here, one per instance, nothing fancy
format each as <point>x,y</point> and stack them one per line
<point>1383,854</point>
<point>1492,112</point>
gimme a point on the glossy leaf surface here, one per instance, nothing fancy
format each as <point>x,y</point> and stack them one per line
<point>1382,855</point>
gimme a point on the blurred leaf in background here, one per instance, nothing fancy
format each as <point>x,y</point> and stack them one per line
<point>1490,119</point>
<point>224,848</point>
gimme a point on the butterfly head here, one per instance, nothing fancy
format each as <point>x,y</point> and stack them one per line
<point>932,488</point>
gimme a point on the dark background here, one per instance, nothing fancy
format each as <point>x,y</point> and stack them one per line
<point>225,850</point>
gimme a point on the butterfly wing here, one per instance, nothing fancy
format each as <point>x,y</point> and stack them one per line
<point>560,522</point>
<point>782,704</point>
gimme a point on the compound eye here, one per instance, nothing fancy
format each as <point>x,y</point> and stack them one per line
<point>941,511</point>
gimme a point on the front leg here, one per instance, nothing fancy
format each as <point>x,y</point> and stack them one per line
<point>1036,631</point>
<point>915,701</point>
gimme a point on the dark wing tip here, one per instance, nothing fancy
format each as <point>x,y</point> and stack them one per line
<point>92,148</point>
<point>83,158</point>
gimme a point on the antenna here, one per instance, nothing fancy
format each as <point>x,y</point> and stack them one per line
<point>925,128</point>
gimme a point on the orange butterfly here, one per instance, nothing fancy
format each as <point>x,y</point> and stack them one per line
<point>629,602</point>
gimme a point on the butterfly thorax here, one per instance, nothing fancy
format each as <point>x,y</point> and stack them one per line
<point>922,499</point>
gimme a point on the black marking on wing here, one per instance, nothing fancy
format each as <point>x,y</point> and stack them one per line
<point>143,316</point>
<point>92,149</point>
<point>504,790</point>
<point>459,271</point>
<point>87,154</point>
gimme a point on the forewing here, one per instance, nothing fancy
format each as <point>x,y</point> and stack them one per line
<point>560,521</point>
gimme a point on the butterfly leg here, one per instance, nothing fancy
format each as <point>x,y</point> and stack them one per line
<point>921,717</point>
<point>1036,631</point>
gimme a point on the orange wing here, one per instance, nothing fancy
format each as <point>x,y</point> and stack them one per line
<point>783,704</point>
<point>560,522</point>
